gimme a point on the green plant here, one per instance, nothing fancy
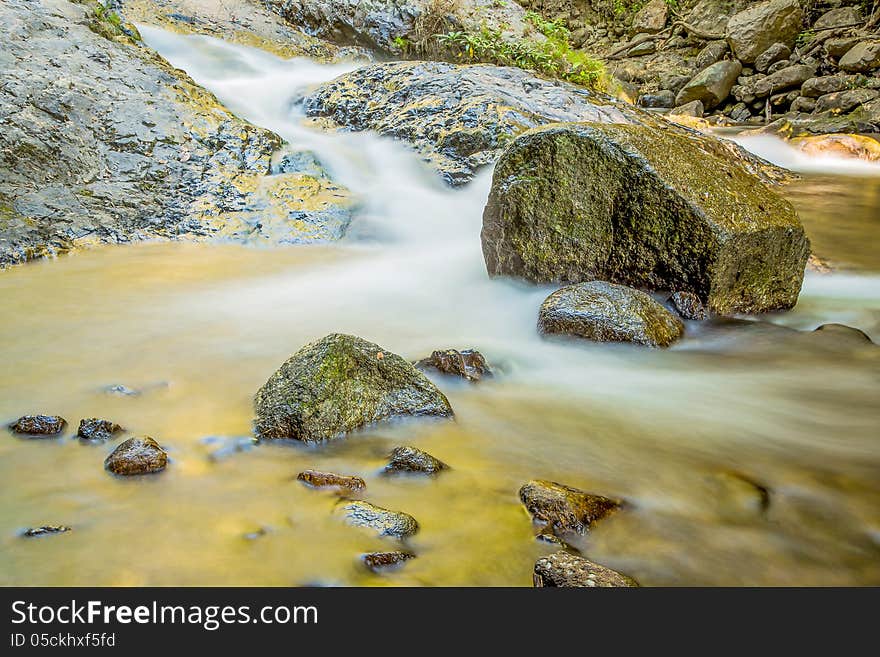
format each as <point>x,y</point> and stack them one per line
<point>804,38</point>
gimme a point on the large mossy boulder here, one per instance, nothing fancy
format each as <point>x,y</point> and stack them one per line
<point>661,209</point>
<point>338,384</point>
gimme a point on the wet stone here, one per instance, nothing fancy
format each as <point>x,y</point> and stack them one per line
<point>138,455</point>
<point>410,459</point>
<point>97,429</point>
<point>45,530</point>
<point>563,569</point>
<point>564,509</point>
<point>688,305</point>
<point>121,390</point>
<point>383,521</point>
<point>379,561</point>
<point>38,425</point>
<point>318,479</point>
<point>468,364</point>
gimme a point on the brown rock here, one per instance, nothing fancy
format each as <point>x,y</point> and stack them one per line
<point>39,425</point>
<point>410,459</point>
<point>688,305</point>
<point>377,561</point>
<point>861,58</point>
<point>97,429</point>
<point>563,569</point>
<point>331,480</point>
<point>468,364</point>
<point>138,455</point>
<point>651,18</point>
<point>564,509</point>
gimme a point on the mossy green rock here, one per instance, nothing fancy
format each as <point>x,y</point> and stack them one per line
<point>606,312</point>
<point>341,383</point>
<point>647,207</point>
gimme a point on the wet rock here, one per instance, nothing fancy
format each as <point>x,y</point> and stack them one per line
<point>788,77</point>
<point>45,530</point>
<point>752,31</point>
<point>563,509</point>
<point>694,108</point>
<point>819,265</point>
<point>839,17</point>
<point>331,480</point>
<point>410,459</point>
<point>97,429</point>
<point>775,53</point>
<point>338,384</point>
<point>712,52</point>
<point>688,305</point>
<point>39,425</point>
<point>468,364</point>
<point>651,18</point>
<point>856,146</point>
<point>712,85</point>
<point>379,561</point>
<point>563,207</point>
<point>862,57</point>
<point>661,99</point>
<point>135,456</point>
<point>606,312</point>
<point>843,331</point>
<point>384,522</point>
<point>845,101</point>
<point>564,569</point>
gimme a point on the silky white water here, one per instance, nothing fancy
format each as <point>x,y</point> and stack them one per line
<point>678,433</point>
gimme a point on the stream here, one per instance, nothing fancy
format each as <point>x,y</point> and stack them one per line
<point>687,436</point>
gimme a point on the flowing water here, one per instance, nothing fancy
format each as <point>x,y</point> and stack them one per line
<point>682,434</point>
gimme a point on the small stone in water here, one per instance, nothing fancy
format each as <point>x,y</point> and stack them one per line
<point>385,522</point>
<point>688,305</point>
<point>563,569</point>
<point>45,530</point>
<point>331,480</point>
<point>39,425</point>
<point>377,561</point>
<point>468,364</point>
<point>123,391</point>
<point>254,535</point>
<point>410,459</point>
<point>97,429</point>
<point>139,455</point>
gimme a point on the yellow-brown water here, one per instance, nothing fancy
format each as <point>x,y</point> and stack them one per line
<point>198,328</point>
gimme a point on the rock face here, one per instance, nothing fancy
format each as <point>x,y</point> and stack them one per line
<point>458,118</point>
<point>752,31</point>
<point>564,207</point>
<point>568,570</point>
<point>384,522</point>
<point>39,425</point>
<point>331,480</point>
<point>97,429</point>
<point>468,364</point>
<point>862,57</point>
<point>338,384</point>
<point>606,312</point>
<point>105,142</point>
<point>378,561</point>
<point>564,509</point>
<point>135,456</point>
<point>410,459</point>
<point>712,85</point>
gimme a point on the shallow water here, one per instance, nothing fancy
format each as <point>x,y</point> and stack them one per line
<point>198,328</point>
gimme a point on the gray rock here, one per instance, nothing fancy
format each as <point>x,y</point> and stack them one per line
<point>787,78</point>
<point>606,312</point>
<point>688,305</point>
<point>563,207</point>
<point>778,66</point>
<point>840,46</point>
<point>97,429</point>
<point>712,52</point>
<point>845,101</point>
<point>775,53</point>
<point>661,99</point>
<point>563,569</point>
<point>135,456</point>
<point>410,459</point>
<point>712,85</point>
<point>839,17</point>
<point>828,84</point>
<point>861,58</point>
<point>563,509</point>
<point>740,113</point>
<point>469,364</point>
<point>712,15</point>
<point>338,384</point>
<point>651,18</point>
<point>39,425</point>
<point>752,31</point>
<point>803,104</point>
<point>644,48</point>
<point>693,108</point>
<point>384,522</point>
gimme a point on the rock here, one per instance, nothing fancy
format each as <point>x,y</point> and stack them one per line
<point>410,459</point>
<point>338,384</point>
<point>861,58</point>
<point>459,118</point>
<point>828,84</point>
<point>106,142</point>
<point>135,456</point>
<point>97,429</point>
<point>468,364</point>
<point>839,17</point>
<point>378,561</point>
<point>693,108</point>
<point>606,312</point>
<point>840,46</point>
<point>563,208</point>
<point>45,530</point>
<point>564,509</point>
<point>803,104</point>
<point>791,76</point>
<point>386,523</point>
<point>688,305</point>
<point>712,85</point>
<point>651,18</point>
<point>775,53</point>
<point>228,446</point>
<point>740,113</point>
<point>661,99</point>
<point>331,480</point>
<point>121,390</point>
<point>843,331</point>
<point>648,47</point>
<point>711,16</point>
<point>863,119</point>
<point>855,146</point>
<point>564,569</point>
<point>711,53</point>
<point>752,31</point>
<point>778,66</point>
<point>819,265</point>
<point>39,425</point>
<point>845,101</point>
<point>674,82</point>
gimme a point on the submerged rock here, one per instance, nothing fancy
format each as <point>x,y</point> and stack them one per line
<point>568,570</point>
<point>606,312</point>
<point>228,446</point>
<point>331,480</point>
<point>97,429</point>
<point>39,425</point>
<point>688,305</point>
<point>378,561</point>
<point>45,530</point>
<point>843,331</point>
<point>386,523</point>
<point>121,390</point>
<point>738,496</point>
<point>655,209</point>
<point>341,383</point>
<point>410,459</point>
<point>468,364</point>
<point>564,509</point>
<point>138,455</point>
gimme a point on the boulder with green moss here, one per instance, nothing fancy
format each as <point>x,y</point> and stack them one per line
<point>662,209</point>
<point>338,384</point>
